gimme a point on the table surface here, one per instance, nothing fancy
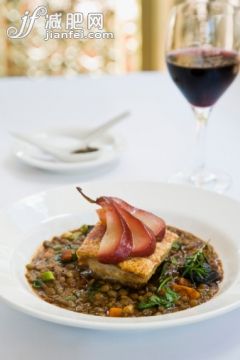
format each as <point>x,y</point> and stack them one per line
<point>159,138</point>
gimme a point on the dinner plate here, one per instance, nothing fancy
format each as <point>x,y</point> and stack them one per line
<point>67,139</point>
<point>26,223</point>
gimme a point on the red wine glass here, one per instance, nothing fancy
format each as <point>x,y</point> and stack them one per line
<point>202,55</point>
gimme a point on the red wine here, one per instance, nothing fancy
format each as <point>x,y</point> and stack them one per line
<point>203,75</point>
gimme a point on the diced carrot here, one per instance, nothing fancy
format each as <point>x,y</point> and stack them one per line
<point>186,290</point>
<point>183,281</point>
<point>115,312</point>
<point>66,255</point>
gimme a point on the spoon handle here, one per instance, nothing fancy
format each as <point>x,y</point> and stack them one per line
<point>39,144</point>
<point>102,128</point>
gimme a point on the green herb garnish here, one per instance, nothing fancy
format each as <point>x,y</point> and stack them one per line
<point>164,282</point>
<point>171,296</point>
<point>152,301</point>
<point>164,277</point>
<point>176,245</point>
<point>168,300</point>
<point>37,284</point>
<point>164,270</point>
<point>47,276</point>
<point>196,266</point>
<point>168,297</point>
<point>198,270</point>
<point>174,261</point>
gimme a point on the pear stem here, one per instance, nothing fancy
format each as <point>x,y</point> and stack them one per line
<point>85,196</point>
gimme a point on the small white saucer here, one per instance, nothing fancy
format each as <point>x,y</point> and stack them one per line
<point>67,139</point>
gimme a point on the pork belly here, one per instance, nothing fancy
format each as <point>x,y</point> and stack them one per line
<point>134,271</point>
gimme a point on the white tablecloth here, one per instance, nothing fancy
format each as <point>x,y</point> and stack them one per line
<point>159,139</point>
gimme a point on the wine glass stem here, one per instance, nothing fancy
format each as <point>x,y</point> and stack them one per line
<point>202,116</point>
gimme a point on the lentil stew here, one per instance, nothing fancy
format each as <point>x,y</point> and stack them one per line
<point>188,277</point>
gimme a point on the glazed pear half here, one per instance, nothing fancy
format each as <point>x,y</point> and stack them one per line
<point>130,232</point>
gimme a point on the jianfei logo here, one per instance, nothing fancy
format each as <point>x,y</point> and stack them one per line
<point>73,26</point>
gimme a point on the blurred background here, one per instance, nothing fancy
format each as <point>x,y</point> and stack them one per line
<point>138,26</point>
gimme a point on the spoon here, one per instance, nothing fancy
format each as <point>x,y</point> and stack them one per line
<point>83,152</point>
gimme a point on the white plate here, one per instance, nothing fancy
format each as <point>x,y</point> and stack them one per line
<point>25,224</point>
<point>67,139</point>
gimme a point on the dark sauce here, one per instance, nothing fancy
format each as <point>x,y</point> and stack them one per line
<point>85,150</point>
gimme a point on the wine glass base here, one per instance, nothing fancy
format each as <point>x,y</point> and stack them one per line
<point>204,178</point>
